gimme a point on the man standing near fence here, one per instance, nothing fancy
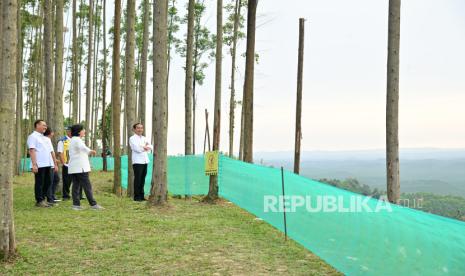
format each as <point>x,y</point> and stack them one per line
<point>41,163</point>
<point>139,146</point>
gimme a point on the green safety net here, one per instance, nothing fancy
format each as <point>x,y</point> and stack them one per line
<point>400,241</point>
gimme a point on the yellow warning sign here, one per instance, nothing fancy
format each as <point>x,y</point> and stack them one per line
<point>211,163</point>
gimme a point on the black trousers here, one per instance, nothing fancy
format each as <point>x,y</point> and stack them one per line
<point>53,187</point>
<point>43,180</point>
<point>140,172</point>
<point>67,181</point>
<point>81,180</point>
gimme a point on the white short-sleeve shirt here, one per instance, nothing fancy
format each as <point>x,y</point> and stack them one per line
<point>43,147</point>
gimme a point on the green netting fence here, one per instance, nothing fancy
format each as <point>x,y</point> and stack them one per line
<point>401,241</point>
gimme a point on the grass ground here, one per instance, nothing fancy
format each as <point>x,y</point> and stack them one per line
<point>127,238</point>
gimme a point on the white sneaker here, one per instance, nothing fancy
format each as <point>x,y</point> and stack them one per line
<point>97,207</point>
<point>77,208</point>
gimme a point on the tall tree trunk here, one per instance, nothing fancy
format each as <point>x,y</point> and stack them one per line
<point>159,189</point>
<point>144,58</point>
<point>89,70</point>
<point>104,89</point>
<point>232,100</point>
<point>392,103</point>
<point>130,86</point>
<point>249,81</point>
<point>74,75</point>
<point>48,63</point>
<point>213,187</point>
<point>58,115</point>
<point>116,100</point>
<point>298,116</point>
<point>241,139</point>
<point>96,96</point>
<point>189,78</point>
<point>19,88</point>
<point>8,47</point>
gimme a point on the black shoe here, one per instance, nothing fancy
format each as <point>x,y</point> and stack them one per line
<point>66,198</point>
<point>42,204</point>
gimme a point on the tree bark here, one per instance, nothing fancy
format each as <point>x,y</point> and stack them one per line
<point>115,100</point>
<point>58,112</point>
<point>159,189</point>
<point>212,195</point>
<point>249,81</point>
<point>89,71</point>
<point>8,47</point>
<point>144,58</point>
<point>392,103</point>
<point>232,100</point>
<point>189,78</point>
<point>19,96</point>
<point>298,116</point>
<point>96,84</point>
<point>74,76</point>
<point>130,101</point>
<point>48,63</point>
<point>104,89</point>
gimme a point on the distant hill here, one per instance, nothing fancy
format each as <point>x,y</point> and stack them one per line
<point>436,171</point>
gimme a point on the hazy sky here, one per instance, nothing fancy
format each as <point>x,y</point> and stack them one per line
<point>344,86</point>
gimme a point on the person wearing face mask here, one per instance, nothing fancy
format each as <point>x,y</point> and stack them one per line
<point>140,147</point>
<point>79,168</point>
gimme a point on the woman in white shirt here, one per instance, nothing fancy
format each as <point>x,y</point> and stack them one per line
<point>79,168</point>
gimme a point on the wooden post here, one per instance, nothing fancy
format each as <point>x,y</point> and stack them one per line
<point>207,134</point>
<point>284,205</point>
<point>392,103</point>
<point>298,116</point>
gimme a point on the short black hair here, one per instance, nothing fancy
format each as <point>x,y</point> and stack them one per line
<point>75,129</point>
<point>38,122</point>
<point>48,131</point>
<point>135,125</point>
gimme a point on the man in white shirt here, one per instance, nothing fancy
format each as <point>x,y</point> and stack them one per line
<point>140,147</point>
<point>41,162</point>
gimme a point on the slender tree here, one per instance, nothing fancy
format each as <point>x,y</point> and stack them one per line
<point>212,195</point>
<point>144,58</point>
<point>232,100</point>
<point>130,102</point>
<point>189,78</point>
<point>159,189</point>
<point>392,103</point>
<point>8,52</point>
<point>19,88</point>
<point>249,81</point>
<point>89,70</point>
<point>75,73</point>
<point>115,99</point>
<point>58,104</point>
<point>298,116</point>
<point>104,89</point>
<point>48,62</point>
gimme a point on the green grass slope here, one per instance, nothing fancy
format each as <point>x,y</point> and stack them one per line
<point>128,238</point>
